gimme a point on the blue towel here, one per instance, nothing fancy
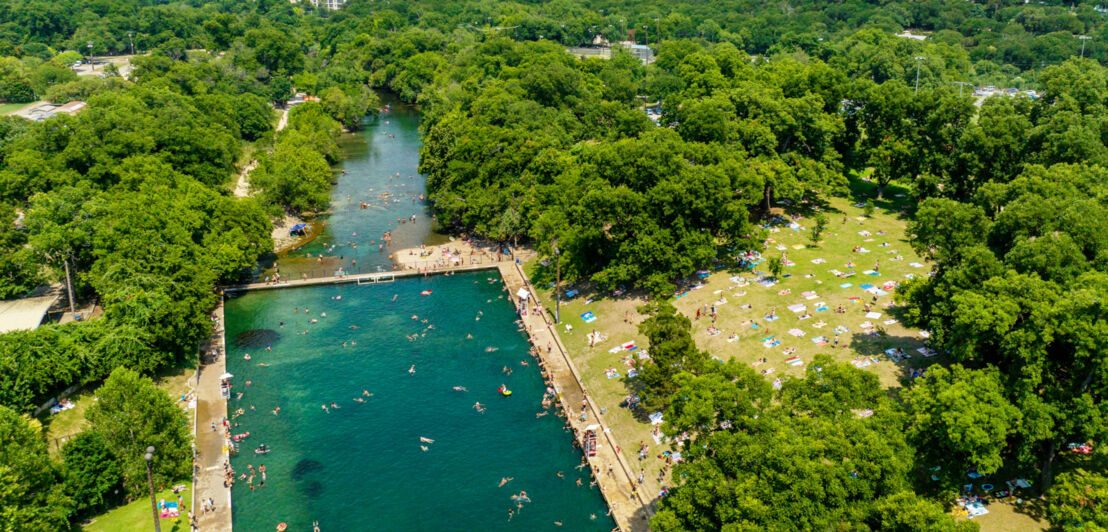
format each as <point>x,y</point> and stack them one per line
<point>846,285</point>
<point>866,286</point>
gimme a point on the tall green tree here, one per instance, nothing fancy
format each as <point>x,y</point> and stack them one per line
<point>132,414</point>
<point>31,497</point>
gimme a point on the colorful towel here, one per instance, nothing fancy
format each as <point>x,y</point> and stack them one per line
<point>794,361</point>
<point>589,317</point>
<point>846,285</point>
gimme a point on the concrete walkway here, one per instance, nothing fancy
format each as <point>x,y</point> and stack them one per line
<point>211,449</point>
<point>631,511</point>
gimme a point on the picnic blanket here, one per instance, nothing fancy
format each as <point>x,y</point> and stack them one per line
<point>873,315</point>
<point>809,295</point>
<point>799,307</point>
<point>589,317</point>
<point>796,332</point>
<point>794,361</point>
<point>820,340</point>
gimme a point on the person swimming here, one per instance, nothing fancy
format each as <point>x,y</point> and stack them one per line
<point>411,370</point>
<point>460,389</point>
<point>246,356</point>
<point>505,480</point>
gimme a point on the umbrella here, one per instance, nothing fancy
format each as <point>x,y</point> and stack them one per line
<point>523,293</point>
<point>226,376</point>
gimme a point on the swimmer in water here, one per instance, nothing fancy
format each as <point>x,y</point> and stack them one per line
<point>460,389</point>
<point>325,409</point>
<point>263,364</point>
<point>505,480</point>
<point>246,356</point>
<point>411,370</point>
<point>276,411</point>
<point>479,407</point>
<point>366,393</point>
<point>333,405</point>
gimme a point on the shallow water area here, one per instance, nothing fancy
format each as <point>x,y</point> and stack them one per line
<point>380,171</point>
<point>362,466</point>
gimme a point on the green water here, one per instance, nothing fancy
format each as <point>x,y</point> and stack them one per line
<point>360,467</point>
<point>386,146</point>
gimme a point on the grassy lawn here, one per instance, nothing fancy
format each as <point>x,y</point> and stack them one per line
<point>137,517</point>
<point>6,108</point>
<point>66,424</point>
<point>741,303</point>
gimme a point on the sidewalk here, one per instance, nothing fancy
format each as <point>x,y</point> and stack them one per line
<point>210,448</point>
<point>631,513</point>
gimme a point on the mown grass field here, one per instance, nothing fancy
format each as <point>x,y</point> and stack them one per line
<point>137,516</point>
<point>740,307</point>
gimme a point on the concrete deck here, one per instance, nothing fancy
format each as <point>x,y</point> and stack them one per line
<point>631,512</point>
<point>211,450</point>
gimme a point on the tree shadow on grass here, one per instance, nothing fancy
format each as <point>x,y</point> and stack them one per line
<point>897,197</point>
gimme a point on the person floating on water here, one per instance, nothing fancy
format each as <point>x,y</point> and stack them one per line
<point>411,370</point>
<point>460,389</point>
<point>505,480</point>
<point>479,407</point>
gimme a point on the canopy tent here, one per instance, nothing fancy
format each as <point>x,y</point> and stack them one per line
<point>523,293</point>
<point>298,228</point>
<point>24,314</point>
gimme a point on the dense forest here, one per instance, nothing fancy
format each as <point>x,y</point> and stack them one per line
<point>761,103</point>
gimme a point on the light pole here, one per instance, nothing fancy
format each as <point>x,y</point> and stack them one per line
<point>148,457</point>
<point>557,282</point>
<point>961,85</point>
<point>918,59</point>
<point>132,41</point>
<point>646,40</point>
<point>91,59</point>
<point>1083,39</point>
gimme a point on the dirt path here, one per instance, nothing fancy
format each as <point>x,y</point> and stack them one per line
<point>242,186</point>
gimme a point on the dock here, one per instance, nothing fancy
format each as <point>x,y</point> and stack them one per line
<point>360,278</point>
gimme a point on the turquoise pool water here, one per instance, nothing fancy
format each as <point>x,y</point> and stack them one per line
<point>361,467</point>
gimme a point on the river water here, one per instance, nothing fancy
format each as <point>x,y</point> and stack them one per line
<point>363,466</point>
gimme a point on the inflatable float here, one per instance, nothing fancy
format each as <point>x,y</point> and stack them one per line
<point>504,390</point>
<point>426,292</point>
<point>281,527</point>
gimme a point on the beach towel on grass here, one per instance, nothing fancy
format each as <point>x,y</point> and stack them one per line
<point>818,261</point>
<point>820,340</point>
<point>873,315</point>
<point>855,299</point>
<point>770,318</point>
<point>865,286</point>
<point>589,317</point>
<point>889,322</point>
<point>797,307</point>
<point>821,307</point>
<point>796,332</point>
<point>927,352</point>
<point>846,285</point>
<point>771,343</point>
<point>841,329</point>
<point>798,246</point>
<point>809,295</point>
<point>794,361</point>
<point>915,264</point>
